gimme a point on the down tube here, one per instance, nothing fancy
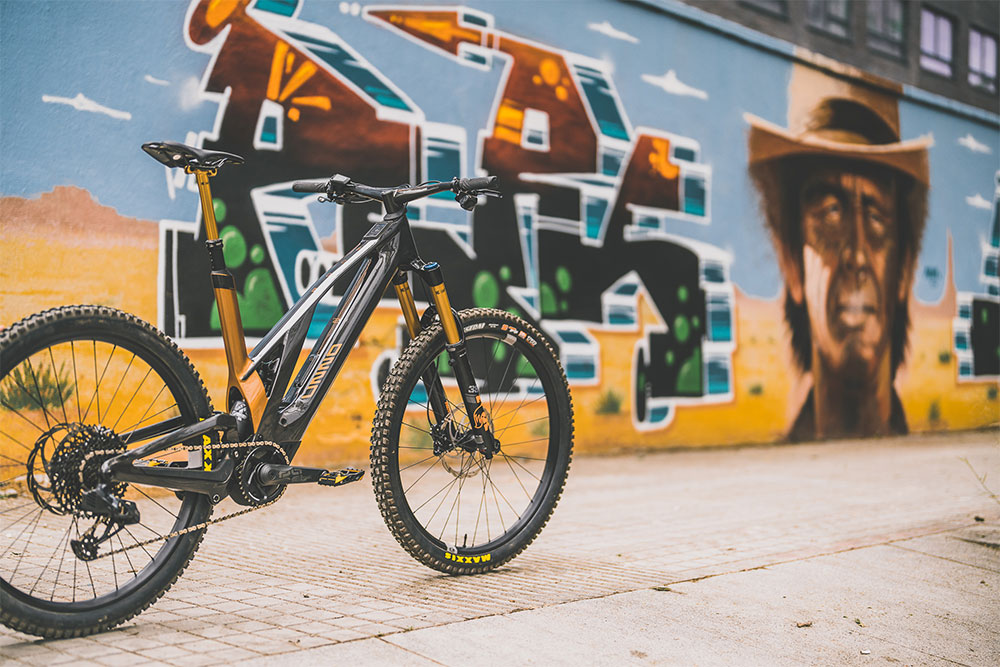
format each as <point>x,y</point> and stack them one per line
<point>333,347</point>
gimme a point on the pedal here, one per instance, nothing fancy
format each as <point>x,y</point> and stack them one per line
<point>340,477</point>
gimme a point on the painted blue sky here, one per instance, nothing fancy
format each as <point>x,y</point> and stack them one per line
<point>132,58</point>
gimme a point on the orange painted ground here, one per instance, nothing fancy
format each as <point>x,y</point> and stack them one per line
<point>63,247</point>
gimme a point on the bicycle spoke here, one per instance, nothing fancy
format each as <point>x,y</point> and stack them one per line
<point>38,390</point>
<point>16,412</point>
<point>132,398</point>
<point>76,381</point>
<point>432,456</point>
<point>49,562</point>
<point>55,374</point>
<point>107,409</point>
<point>16,441</point>
<point>520,483</point>
<point>136,488</point>
<point>421,477</point>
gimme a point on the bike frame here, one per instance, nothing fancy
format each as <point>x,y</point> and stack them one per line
<point>264,402</point>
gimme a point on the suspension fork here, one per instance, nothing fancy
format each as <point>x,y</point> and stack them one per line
<point>250,390</point>
<point>432,381</point>
<point>479,421</point>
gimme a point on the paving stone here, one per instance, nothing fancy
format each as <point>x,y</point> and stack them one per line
<point>680,515</point>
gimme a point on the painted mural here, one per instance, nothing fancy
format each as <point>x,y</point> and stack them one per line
<point>583,230</point>
<point>714,264</point>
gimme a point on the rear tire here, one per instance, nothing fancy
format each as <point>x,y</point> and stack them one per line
<point>83,367</point>
<point>512,494</point>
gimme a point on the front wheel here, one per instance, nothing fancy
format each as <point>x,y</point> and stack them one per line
<point>451,506</point>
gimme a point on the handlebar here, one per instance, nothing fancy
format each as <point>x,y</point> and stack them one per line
<point>309,186</point>
<point>481,183</point>
<point>343,190</point>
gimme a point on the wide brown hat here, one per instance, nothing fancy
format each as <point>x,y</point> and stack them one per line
<point>838,118</point>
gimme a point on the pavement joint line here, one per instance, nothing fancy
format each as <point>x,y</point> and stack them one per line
<point>924,553</point>
<point>936,531</point>
<point>913,648</point>
<point>382,639</point>
<point>833,552</point>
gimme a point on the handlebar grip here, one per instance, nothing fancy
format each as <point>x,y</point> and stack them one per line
<point>481,183</point>
<point>310,186</point>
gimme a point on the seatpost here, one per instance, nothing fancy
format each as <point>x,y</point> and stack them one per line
<point>207,208</point>
<point>252,389</point>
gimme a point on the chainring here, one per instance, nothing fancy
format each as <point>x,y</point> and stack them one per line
<point>244,488</point>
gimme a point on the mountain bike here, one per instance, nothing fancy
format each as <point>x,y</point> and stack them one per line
<point>112,457</point>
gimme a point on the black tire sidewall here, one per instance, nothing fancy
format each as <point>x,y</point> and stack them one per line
<point>74,323</point>
<point>481,558</point>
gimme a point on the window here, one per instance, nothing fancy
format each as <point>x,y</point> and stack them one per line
<point>935,42</point>
<point>773,7</point>
<point>603,101</point>
<point>983,60</point>
<point>535,130</point>
<point>830,16</point>
<point>886,26</point>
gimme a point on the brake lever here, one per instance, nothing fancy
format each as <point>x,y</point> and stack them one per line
<point>491,193</point>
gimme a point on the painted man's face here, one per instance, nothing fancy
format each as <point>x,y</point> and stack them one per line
<point>851,263</point>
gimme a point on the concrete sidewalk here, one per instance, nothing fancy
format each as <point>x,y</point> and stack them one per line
<point>872,546</point>
<point>922,601</point>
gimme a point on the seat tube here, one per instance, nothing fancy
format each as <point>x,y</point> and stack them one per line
<point>224,285</point>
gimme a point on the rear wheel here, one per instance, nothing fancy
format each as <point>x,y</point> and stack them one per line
<point>78,385</point>
<point>449,505</point>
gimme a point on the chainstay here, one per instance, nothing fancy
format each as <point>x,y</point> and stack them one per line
<point>204,524</point>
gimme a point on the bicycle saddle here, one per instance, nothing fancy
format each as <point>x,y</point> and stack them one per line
<point>180,155</point>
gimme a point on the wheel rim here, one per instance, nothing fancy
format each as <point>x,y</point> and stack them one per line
<point>464,502</point>
<point>97,380</point>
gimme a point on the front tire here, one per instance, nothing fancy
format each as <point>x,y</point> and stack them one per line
<point>510,496</point>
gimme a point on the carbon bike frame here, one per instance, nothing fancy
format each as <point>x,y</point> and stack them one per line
<point>263,404</point>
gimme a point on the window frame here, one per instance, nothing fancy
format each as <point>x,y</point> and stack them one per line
<point>763,6</point>
<point>823,28</point>
<point>996,65</point>
<point>873,38</point>
<point>933,56</point>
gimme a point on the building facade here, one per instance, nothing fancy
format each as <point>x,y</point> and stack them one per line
<point>676,218</point>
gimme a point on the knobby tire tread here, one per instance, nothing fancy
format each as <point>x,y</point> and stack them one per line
<point>33,325</point>
<point>382,441</point>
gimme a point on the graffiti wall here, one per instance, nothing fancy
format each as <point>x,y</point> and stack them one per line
<point>786,251</point>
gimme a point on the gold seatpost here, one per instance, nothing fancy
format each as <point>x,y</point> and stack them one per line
<point>252,389</point>
<point>207,207</point>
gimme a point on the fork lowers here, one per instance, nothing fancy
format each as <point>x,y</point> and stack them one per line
<point>480,426</point>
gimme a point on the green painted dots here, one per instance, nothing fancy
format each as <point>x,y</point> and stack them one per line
<point>564,280</point>
<point>257,254</point>
<point>505,273</point>
<point>681,328</point>
<point>669,358</point>
<point>695,322</point>
<point>682,294</point>
<point>234,247</point>
<point>485,290</point>
<point>499,351</point>
<point>548,299</point>
<point>220,209</point>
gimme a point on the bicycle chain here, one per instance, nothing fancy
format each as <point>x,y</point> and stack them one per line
<point>204,524</point>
